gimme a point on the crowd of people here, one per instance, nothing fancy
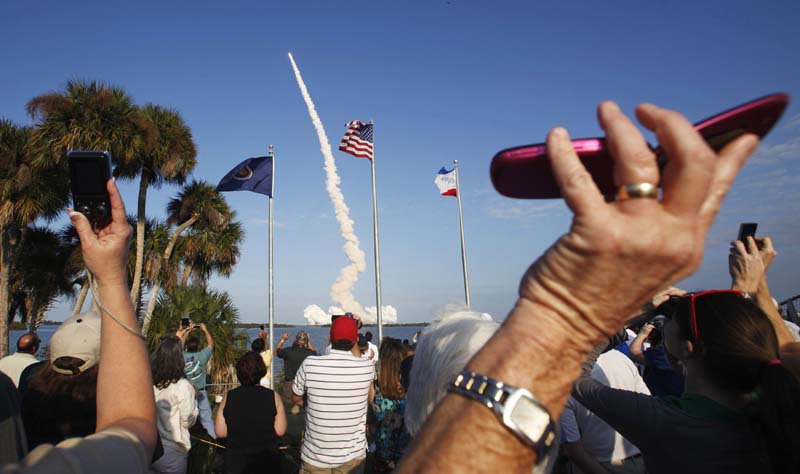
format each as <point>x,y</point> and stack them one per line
<point>601,366</point>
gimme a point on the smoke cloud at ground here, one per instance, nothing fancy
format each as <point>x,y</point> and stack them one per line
<point>316,316</point>
<point>342,288</point>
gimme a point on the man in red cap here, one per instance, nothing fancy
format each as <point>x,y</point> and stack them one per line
<point>337,387</point>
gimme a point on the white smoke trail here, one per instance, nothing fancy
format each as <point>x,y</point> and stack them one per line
<point>342,288</point>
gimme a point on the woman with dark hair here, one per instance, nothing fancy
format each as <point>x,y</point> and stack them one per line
<point>740,411</point>
<point>389,406</point>
<point>176,405</point>
<point>251,417</point>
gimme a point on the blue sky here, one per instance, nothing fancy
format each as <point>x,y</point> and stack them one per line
<point>442,80</point>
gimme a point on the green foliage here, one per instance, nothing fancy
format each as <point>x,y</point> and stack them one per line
<point>171,156</point>
<point>207,251</point>
<point>88,115</point>
<point>43,271</point>
<point>199,199</point>
<point>27,192</point>
<point>213,308</point>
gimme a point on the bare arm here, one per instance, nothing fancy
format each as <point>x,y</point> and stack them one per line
<point>284,337</point>
<point>572,297</point>
<point>578,455</point>
<point>209,339</point>
<point>280,416</point>
<point>371,396</point>
<point>637,349</point>
<point>748,268</point>
<point>220,426</point>
<point>297,399</point>
<point>124,387</point>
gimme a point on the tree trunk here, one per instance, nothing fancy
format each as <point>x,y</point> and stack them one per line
<point>140,220</point>
<point>151,304</point>
<point>187,272</point>
<point>5,273</point>
<point>35,315</point>
<point>81,297</point>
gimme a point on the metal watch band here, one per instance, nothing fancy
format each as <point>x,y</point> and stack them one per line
<point>494,394</point>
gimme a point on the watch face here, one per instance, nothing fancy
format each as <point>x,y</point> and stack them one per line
<point>530,419</point>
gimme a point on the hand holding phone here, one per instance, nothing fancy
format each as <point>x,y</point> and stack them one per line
<point>524,172</point>
<point>89,172</point>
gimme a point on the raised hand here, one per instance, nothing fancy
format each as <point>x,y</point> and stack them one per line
<point>105,252</point>
<point>618,254</point>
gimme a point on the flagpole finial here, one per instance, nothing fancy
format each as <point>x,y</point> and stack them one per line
<point>455,162</point>
<point>271,149</point>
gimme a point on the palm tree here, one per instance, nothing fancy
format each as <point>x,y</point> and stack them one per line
<point>214,309</point>
<point>88,116</point>
<point>45,270</point>
<point>198,201</point>
<point>27,193</point>
<point>170,160</point>
<point>207,252</point>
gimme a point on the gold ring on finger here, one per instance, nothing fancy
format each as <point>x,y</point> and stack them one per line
<point>636,190</point>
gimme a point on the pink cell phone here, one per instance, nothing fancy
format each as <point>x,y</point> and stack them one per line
<point>524,172</point>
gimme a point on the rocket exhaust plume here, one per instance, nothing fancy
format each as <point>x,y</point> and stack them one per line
<point>342,288</point>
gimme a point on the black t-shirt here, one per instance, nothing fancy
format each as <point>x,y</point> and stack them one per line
<point>250,416</point>
<point>293,358</point>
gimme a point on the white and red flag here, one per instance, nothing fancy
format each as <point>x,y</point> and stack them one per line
<point>446,181</point>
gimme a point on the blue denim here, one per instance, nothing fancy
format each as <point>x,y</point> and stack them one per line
<point>205,413</point>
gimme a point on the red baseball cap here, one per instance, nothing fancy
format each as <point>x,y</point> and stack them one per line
<point>344,329</point>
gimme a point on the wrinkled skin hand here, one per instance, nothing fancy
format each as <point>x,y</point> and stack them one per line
<point>617,255</point>
<point>105,252</point>
<point>745,265</point>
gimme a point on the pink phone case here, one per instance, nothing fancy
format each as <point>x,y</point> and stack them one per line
<point>524,172</point>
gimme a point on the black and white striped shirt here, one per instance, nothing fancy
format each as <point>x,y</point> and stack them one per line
<point>337,386</point>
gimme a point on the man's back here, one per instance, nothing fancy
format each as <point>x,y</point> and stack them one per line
<point>195,366</point>
<point>614,370</point>
<point>293,358</point>
<point>337,387</point>
<point>14,364</point>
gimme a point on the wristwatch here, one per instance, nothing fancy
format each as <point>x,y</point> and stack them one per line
<point>517,408</point>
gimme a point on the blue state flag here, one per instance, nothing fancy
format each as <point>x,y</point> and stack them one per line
<point>252,174</point>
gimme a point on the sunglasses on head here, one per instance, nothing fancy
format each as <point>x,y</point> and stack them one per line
<point>692,307</point>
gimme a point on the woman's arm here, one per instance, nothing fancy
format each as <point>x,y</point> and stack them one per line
<point>614,258</point>
<point>219,422</point>
<point>125,396</point>
<point>280,416</point>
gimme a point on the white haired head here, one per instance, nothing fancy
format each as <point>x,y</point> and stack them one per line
<point>443,349</point>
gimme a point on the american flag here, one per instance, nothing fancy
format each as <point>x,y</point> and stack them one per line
<point>357,139</point>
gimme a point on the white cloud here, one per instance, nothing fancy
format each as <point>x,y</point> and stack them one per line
<point>525,211</point>
<point>789,149</point>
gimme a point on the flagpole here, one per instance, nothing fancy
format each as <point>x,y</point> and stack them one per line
<point>377,247</point>
<point>463,245</point>
<point>271,282</point>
